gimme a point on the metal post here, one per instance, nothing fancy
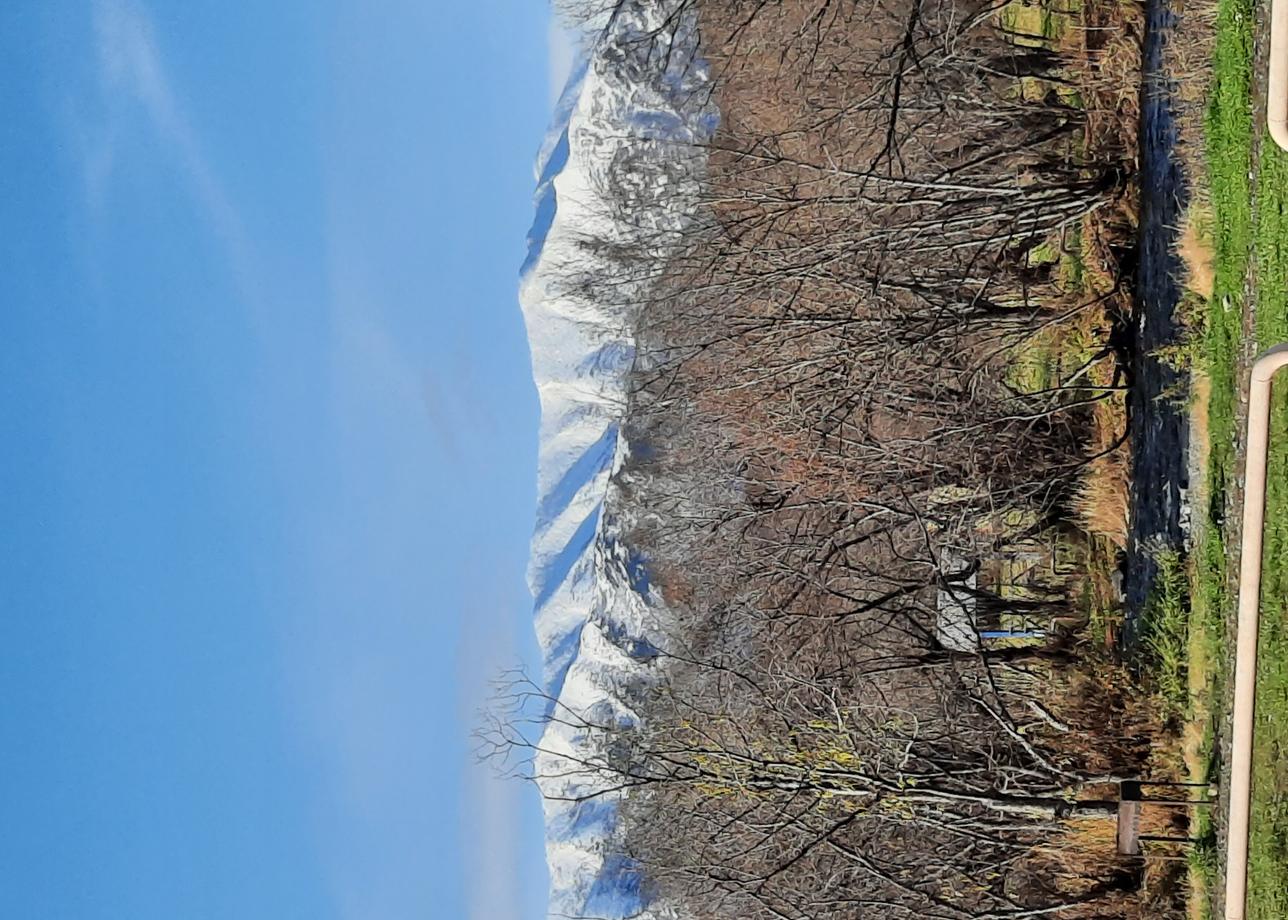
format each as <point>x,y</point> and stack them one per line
<point>1245,662</point>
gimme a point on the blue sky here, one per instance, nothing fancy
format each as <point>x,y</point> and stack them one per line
<point>269,455</point>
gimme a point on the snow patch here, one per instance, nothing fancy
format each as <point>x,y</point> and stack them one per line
<point>632,122</point>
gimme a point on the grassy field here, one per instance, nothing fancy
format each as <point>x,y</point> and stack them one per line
<point>1186,624</point>
<point>1250,238</point>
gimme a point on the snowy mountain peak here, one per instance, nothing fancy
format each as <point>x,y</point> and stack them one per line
<point>631,119</point>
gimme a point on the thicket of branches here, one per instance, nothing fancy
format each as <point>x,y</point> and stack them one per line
<point>836,451</point>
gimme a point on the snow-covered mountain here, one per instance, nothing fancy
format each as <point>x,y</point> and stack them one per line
<point>618,167</point>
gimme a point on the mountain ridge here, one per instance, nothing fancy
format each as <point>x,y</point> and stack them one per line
<point>595,613</point>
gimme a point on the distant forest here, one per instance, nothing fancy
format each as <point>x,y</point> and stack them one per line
<point>882,379</point>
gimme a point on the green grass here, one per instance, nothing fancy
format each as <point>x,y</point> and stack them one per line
<point>1229,145</point>
<point>1268,883</point>
<point>1165,634</point>
<point>1248,242</point>
<point>1204,657</point>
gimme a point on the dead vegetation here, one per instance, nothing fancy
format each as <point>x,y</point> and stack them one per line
<point>881,384</point>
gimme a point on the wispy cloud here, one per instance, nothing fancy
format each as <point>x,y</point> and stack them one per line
<point>132,76</point>
<point>495,831</point>
<point>561,56</point>
<point>493,848</point>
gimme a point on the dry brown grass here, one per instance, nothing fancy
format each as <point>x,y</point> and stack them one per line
<point>1085,846</point>
<point>1079,853</point>
<point>1195,248</point>
<point>1102,496</point>
<point>1109,42</point>
<point>1102,499</point>
<point>1189,63</point>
